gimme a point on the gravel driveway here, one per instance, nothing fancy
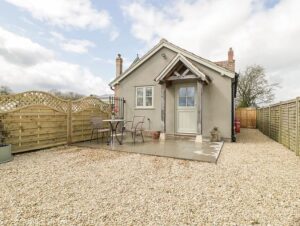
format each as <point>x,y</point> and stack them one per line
<point>256,181</point>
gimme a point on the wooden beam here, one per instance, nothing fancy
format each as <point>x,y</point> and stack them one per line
<point>199,112</point>
<point>199,107</point>
<point>174,78</point>
<point>177,74</point>
<point>163,109</point>
<point>185,72</point>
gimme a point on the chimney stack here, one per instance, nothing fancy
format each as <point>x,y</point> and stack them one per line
<point>230,55</point>
<point>119,65</point>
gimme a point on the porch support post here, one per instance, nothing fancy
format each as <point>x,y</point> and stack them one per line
<point>199,112</point>
<point>163,112</point>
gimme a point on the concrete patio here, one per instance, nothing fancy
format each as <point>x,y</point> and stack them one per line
<point>174,147</point>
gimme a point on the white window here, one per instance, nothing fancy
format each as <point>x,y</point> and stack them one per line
<point>144,97</point>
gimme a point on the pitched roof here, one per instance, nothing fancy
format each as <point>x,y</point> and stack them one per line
<point>183,52</point>
<point>187,63</point>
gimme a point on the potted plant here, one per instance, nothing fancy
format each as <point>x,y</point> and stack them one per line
<point>113,115</point>
<point>155,135</point>
<point>114,112</point>
<point>5,149</point>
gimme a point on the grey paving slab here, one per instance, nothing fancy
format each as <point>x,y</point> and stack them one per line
<point>172,147</point>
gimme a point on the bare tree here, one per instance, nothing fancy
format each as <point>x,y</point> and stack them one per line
<point>253,87</point>
<point>66,95</point>
<point>5,90</point>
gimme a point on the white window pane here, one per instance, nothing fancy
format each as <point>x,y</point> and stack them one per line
<point>148,101</point>
<point>139,101</point>
<point>190,92</point>
<point>182,101</point>
<point>190,101</point>
<point>139,92</point>
<point>149,92</point>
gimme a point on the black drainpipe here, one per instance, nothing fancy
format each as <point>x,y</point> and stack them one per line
<point>234,84</point>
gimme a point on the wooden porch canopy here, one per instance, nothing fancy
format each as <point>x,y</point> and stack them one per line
<point>180,68</point>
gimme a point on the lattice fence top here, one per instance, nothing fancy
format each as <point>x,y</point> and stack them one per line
<point>14,102</point>
<point>88,102</point>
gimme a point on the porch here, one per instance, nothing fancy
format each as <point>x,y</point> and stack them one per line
<point>182,86</point>
<point>173,147</point>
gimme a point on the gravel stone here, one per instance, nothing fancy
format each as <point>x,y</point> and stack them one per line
<point>256,182</point>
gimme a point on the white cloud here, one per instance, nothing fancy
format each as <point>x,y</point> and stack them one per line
<point>22,51</point>
<point>126,61</point>
<point>65,13</point>
<point>30,66</point>
<point>259,35</point>
<point>72,45</point>
<point>114,34</point>
<point>107,61</point>
<point>77,46</point>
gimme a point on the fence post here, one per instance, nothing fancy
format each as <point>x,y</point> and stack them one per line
<point>269,121</point>
<point>288,125</point>
<point>69,122</point>
<point>279,140</point>
<point>297,126</point>
<point>257,118</point>
<point>263,121</point>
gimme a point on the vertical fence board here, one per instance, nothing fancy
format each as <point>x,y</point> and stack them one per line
<point>281,122</point>
<point>292,126</point>
<point>297,126</point>
<point>247,117</point>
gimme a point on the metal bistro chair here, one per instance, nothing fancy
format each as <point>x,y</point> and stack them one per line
<point>135,127</point>
<point>97,125</point>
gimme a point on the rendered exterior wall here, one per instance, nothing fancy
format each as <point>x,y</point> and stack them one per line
<point>216,103</point>
<point>216,97</point>
<point>144,76</point>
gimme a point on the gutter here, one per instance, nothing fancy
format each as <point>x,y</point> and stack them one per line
<point>234,84</point>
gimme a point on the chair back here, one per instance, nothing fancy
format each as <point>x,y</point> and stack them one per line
<point>138,121</point>
<point>96,122</point>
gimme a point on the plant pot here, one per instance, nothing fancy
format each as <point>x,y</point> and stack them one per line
<point>155,135</point>
<point>5,153</point>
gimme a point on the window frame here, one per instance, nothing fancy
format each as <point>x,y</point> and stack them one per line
<point>186,97</point>
<point>144,97</point>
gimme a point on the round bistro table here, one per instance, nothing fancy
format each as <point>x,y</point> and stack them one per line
<point>113,128</point>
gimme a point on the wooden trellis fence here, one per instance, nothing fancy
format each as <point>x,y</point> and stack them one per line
<point>281,123</point>
<point>37,120</point>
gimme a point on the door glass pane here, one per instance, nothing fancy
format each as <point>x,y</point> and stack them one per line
<point>182,101</point>
<point>190,101</point>
<point>182,92</point>
<point>190,92</point>
<point>186,96</point>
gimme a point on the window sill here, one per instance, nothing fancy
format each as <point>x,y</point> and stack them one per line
<point>144,108</point>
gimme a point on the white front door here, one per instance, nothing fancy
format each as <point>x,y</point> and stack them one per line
<point>186,105</point>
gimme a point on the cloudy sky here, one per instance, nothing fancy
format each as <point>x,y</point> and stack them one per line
<point>70,45</point>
